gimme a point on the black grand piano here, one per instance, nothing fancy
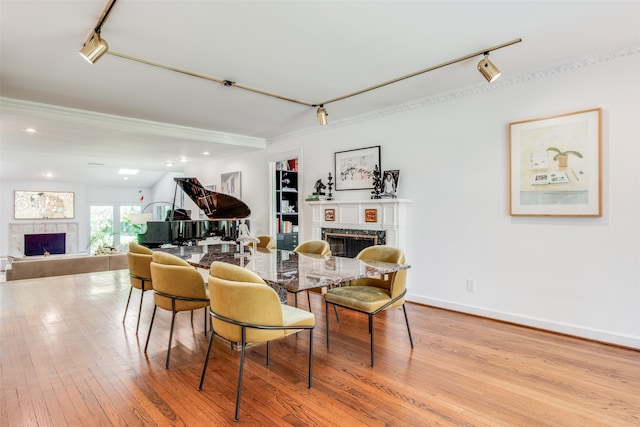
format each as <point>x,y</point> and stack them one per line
<point>224,212</point>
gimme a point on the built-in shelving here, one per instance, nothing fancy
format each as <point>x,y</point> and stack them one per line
<point>287,205</point>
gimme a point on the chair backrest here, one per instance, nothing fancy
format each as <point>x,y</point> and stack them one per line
<point>266,241</point>
<point>139,259</point>
<point>320,247</point>
<point>240,295</point>
<point>394,282</point>
<point>174,276</point>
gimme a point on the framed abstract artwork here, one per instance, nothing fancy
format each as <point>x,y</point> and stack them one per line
<point>555,165</point>
<point>43,205</point>
<point>354,168</point>
<point>231,184</point>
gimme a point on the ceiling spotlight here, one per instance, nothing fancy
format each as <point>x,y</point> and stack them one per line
<point>128,171</point>
<point>94,48</point>
<point>322,116</point>
<point>487,69</point>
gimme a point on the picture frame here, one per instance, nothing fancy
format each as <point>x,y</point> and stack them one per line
<point>231,184</point>
<point>389,185</point>
<point>44,204</point>
<point>556,165</point>
<point>329,214</point>
<point>371,215</point>
<point>354,168</point>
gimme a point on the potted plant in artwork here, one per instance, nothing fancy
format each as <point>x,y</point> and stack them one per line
<point>563,156</point>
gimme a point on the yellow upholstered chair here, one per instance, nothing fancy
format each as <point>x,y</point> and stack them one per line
<point>319,247</point>
<point>139,258</point>
<point>246,310</point>
<point>372,295</point>
<point>266,241</point>
<point>177,286</point>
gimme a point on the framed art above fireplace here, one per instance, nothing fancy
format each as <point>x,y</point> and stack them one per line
<point>43,205</point>
<point>354,168</point>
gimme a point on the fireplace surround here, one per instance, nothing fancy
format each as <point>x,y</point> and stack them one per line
<point>349,218</point>
<point>347,242</point>
<point>18,230</point>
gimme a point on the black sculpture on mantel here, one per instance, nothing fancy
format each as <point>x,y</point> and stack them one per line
<point>330,185</point>
<point>319,186</point>
<point>377,184</point>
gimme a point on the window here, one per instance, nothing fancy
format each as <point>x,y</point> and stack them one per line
<point>128,232</point>
<point>110,226</point>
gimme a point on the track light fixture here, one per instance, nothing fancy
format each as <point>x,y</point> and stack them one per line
<point>487,69</point>
<point>322,115</point>
<point>94,48</point>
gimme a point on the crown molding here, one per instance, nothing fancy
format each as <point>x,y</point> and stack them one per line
<point>453,95</point>
<point>126,124</point>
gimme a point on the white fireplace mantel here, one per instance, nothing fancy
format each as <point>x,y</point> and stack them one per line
<point>18,230</point>
<point>351,214</point>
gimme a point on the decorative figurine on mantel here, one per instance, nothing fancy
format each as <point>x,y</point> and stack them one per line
<point>330,185</point>
<point>377,183</point>
<point>319,186</point>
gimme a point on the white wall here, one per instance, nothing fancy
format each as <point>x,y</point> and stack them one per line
<point>574,275</point>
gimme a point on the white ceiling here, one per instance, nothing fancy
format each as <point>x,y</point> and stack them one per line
<point>122,113</point>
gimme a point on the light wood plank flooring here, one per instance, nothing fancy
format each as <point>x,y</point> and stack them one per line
<point>67,359</point>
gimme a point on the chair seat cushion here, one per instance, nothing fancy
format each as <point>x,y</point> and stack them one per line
<point>292,316</point>
<point>363,298</point>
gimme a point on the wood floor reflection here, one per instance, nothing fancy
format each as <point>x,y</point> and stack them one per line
<point>67,359</point>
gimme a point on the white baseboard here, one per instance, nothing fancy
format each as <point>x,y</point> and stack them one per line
<point>549,325</point>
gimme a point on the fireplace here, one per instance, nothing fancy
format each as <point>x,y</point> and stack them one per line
<point>353,218</point>
<point>17,231</point>
<point>349,242</point>
<point>39,244</point>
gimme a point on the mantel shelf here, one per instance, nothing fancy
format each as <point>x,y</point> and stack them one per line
<point>350,202</point>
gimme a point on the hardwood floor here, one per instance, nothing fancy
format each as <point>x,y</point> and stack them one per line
<point>67,359</point>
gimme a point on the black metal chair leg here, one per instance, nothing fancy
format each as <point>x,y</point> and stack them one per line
<point>309,299</point>
<point>127,307</point>
<point>295,298</point>
<point>311,356</point>
<point>206,361</point>
<point>139,308</point>
<point>205,321</point>
<point>244,339</point>
<point>153,316</point>
<point>173,318</point>
<point>326,315</point>
<point>406,319</point>
<point>335,310</point>
<point>268,353</point>
<point>371,332</point>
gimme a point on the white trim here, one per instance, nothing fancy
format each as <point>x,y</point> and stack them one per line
<point>631,341</point>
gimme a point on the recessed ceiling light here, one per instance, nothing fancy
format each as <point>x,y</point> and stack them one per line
<point>183,159</point>
<point>31,130</point>
<point>126,178</point>
<point>128,171</point>
<point>95,164</point>
<point>205,153</point>
<point>169,164</point>
<point>48,175</point>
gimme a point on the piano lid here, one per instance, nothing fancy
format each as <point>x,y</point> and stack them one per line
<point>214,205</point>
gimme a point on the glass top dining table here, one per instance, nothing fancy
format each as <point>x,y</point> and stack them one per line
<point>286,271</point>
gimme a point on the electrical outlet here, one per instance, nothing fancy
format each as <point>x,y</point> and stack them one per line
<point>471,285</point>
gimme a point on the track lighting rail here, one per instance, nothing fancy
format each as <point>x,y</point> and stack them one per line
<point>490,75</point>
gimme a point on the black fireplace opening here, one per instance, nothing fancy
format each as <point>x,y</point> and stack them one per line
<point>38,244</point>
<point>349,242</point>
